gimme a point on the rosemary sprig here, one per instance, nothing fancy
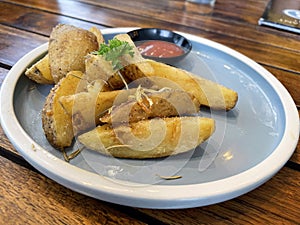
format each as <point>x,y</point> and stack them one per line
<point>169,177</point>
<point>72,155</point>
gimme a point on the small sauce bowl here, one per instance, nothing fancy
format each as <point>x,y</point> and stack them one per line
<point>161,45</point>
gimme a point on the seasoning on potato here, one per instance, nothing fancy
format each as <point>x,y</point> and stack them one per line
<point>117,103</point>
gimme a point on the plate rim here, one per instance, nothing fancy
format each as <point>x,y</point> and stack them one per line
<point>150,196</point>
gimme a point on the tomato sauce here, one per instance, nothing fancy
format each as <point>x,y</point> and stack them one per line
<point>160,49</point>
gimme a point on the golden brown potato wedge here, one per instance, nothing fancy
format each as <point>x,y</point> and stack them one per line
<point>98,34</point>
<point>127,59</point>
<point>40,71</point>
<point>68,47</point>
<point>149,138</point>
<point>209,93</point>
<point>57,124</point>
<point>148,103</point>
<point>97,67</point>
<point>85,108</point>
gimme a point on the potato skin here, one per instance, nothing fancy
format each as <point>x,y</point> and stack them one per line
<point>164,103</point>
<point>67,113</point>
<point>57,124</point>
<point>85,108</point>
<point>68,47</point>
<point>40,71</point>
<point>181,134</point>
<point>209,93</point>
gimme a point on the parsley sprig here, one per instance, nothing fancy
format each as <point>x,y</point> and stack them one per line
<point>114,50</point>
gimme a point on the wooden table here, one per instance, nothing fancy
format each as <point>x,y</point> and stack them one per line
<point>28,197</point>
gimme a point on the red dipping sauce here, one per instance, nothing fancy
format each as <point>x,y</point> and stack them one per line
<point>160,49</point>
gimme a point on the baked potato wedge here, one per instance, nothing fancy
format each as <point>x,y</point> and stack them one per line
<point>85,107</point>
<point>98,67</point>
<point>209,93</point>
<point>127,59</point>
<point>149,138</point>
<point>57,124</point>
<point>98,34</point>
<point>147,103</point>
<point>40,71</point>
<point>68,46</point>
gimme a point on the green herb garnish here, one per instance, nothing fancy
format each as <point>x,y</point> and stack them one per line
<point>114,50</point>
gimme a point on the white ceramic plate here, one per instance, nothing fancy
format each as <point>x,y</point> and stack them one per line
<point>251,143</point>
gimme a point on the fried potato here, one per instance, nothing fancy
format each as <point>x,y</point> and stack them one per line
<point>97,67</point>
<point>127,59</point>
<point>209,93</point>
<point>68,47</point>
<point>85,108</point>
<point>150,104</point>
<point>57,124</point>
<point>40,71</point>
<point>98,34</point>
<point>149,138</point>
<point>86,94</point>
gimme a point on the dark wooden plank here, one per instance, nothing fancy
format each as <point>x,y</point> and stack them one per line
<point>254,43</point>
<point>296,156</point>
<point>228,18</point>
<point>291,81</point>
<point>248,12</point>
<point>266,55</point>
<point>16,43</point>
<point>36,21</point>
<point>228,10</point>
<point>269,204</point>
<point>28,197</point>
<point>3,73</point>
<point>5,144</point>
<point>94,14</point>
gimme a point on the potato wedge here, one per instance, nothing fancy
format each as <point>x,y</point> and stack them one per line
<point>97,67</point>
<point>40,71</point>
<point>86,107</point>
<point>209,93</point>
<point>57,124</point>
<point>127,59</point>
<point>98,34</point>
<point>68,47</point>
<point>148,103</point>
<point>149,138</point>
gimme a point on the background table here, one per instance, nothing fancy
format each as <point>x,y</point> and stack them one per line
<point>28,197</point>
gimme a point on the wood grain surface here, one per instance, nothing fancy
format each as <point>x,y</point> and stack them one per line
<point>270,199</point>
<point>29,197</point>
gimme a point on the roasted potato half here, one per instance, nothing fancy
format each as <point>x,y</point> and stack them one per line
<point>40,71</point>
<point>146,103</point>
<point>57,124</point>
<point>209,93</point>
<point>97,67</point>
<point>68,46</point>
<point>85,108</point>
<point>149,138</point>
